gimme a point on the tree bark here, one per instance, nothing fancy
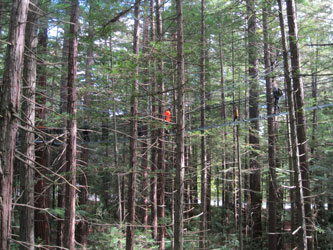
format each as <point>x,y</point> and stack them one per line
<point>272,196</point>
<point>9,111</point>
<point>27,228</point>
<point>42,223</point>
<point>134,134</point>
<point>240,205</point>
<point>154,139</point>
<point>300,222</point>
<point>145,147</point>
<point>69,233</point>
<point>255,176</point>
<point>179,203</point>
<point>62,110</point>
<point>204,166</point>
<point>300,114</point>
<point>82,228</point>
<point>161,138</point>
<point>223,115</point>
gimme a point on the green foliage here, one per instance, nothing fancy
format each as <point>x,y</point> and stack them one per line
<point>114,238</point>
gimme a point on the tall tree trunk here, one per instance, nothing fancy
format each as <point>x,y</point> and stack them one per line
<point>134,134</point>
<point>9,111</point>
<point>223,115</point>
<point>69,233</point>
<point>145,154</point>
<point>203,199</point>
<point>154,139</point>
<point>272,197</point>
<point>27,228</point>
<point>300,113</point>
<point>161,138</point>
<point>255,178</point>
<point>82,227</point>
<point>240,205</point>
<point>42,222</point>
<point>179,203</point>
<point>63,109</point>
<point>301,233</point>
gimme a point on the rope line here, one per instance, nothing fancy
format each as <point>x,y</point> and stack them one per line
<point>260,117</point>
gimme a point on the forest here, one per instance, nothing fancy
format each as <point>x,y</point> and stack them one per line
<point>166,124</point>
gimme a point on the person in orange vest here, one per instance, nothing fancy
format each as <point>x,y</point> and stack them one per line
<point>167,115</point>
<point>167,118</point>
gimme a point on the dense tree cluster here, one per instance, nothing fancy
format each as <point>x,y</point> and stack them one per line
<point>150,124</point>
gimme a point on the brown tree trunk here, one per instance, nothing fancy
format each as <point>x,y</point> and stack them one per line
<point>9,111</point>
<point>42,223</point>
<point>300,114</point>
<point>300,222</point>
<point>82,228</point>
<point>240,205</point>
<point>272,196</point>
<point>154,139</point>
<point>255,176</point>
<point>180,134</point>
<point>27,228</point>
<point>204,166</point>
<point>145,147</point>
<point>161,138</point>
<point>223,115</point>
<point>134,134</point>
<point>69,229</point>
<point>63,109</point>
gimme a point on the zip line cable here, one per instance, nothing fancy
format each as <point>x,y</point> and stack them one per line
<point>260,117</point>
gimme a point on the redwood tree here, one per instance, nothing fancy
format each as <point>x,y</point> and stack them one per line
<point>134,135</point>
<point>69,233</point>
<point>9,111</point>
<point>28,116</point>
<point>255,179</point>
<point>180,134</point>
<point>300,113</point>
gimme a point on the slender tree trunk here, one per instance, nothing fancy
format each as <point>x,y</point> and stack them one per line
<point>27,228</point>
<point>154,139</point>
<point>300,114</point>
<point>145,147</point>
<point>232,182</point>
<point>161,138</point>
<point>82,228</point>
<point>300,222</point>
<point>255,175</point>
<point>9,111</point>
<point>272,196</point>
<point>42,223</point>
<point>203,218</point>
<point>179,203</point>
<point>134,134</point>
<point>69,233</point>
<point>63,109</point>
<point>224,115</point>
<point>240,221</point>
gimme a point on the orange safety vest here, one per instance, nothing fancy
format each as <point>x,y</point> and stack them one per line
<point>167,115</point>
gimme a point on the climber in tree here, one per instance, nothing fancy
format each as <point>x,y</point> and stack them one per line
<point>277,93</point>
<point>236,113</point>
<point>167,117</point>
